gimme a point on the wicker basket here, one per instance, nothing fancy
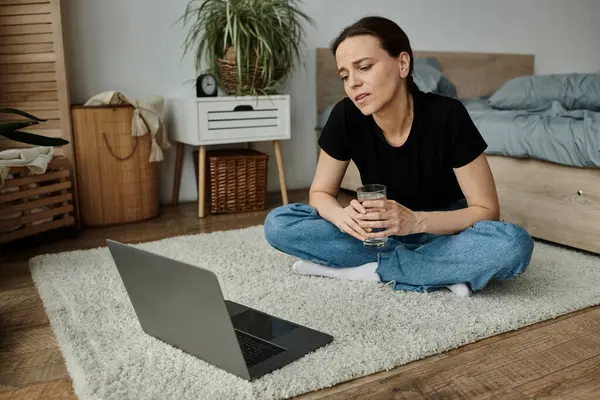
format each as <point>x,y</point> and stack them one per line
<point>238,180</point>
<point>31,204</point>
<point>117,183</point>
<point>251,78</point>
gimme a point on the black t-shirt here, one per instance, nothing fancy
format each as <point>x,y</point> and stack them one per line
<point>419,174</point>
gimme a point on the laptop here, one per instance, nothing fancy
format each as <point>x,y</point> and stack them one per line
<point>183,306</point>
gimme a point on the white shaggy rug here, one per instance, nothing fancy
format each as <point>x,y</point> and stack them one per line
<point>374,328</point>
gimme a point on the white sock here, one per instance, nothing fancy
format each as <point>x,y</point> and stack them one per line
<point>460,289</point>
<point>364,272</point>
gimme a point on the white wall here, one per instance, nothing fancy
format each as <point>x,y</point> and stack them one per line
<point>133,46</point>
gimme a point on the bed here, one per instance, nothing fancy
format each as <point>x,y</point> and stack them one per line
<point>546,164</point>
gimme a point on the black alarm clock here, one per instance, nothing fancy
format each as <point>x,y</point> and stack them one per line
<point>206,86</point>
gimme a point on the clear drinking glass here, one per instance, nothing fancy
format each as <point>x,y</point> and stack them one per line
<point>372,192</point>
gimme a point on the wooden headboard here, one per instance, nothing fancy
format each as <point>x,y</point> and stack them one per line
<point>473,74</point>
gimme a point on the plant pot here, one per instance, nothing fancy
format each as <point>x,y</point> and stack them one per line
<point>252,78</point>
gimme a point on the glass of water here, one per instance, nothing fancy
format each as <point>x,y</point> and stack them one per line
<point>372,192</point>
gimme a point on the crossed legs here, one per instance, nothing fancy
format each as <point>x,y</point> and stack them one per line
<point>421,262</point>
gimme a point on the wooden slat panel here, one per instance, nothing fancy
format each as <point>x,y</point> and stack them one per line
<point>23,194</point>
<point>18,97</point>
<point>28,87</point>
<point>24,9</point>
<point>26,19</point>
<point>50,128</point>
<point>25,29</point>
<point>64,98</point>
<point>28,48</point>
<point>45,131</point>
<point>21,39</point>
<point>11,144</point>
<point>30,77</point>
<point>28,68</point>
<point>32,105</point>
<point>7,210</point>
<point>11,2</point>
<point>27,58</point>
<point>8,223</point>
<point>35,229</point>
<point>50,125</point>
<point>43,114</point>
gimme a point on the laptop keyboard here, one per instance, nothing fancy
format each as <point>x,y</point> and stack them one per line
<point>255,350</point>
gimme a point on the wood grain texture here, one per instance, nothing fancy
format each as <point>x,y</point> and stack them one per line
<point>16,2</point>
<point>554,359</point>
<point>26,48</point>
<point>578,381</point>
<point>484,370</point>
<point>31,87</point>
<point>60,389</point>
<point>554,202</point>
<point>25,29</point>
<point>25,191</point>
<point>27,38</point>
<point>9,69</point>
<point>24,9</point>
<point>64,98</point>
<point>44,114</point>
<point>25,19</point>
<point>33,73</point>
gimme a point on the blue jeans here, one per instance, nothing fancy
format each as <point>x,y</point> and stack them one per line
<point>417,262</point>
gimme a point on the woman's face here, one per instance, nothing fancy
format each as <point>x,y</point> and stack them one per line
<point>371,76</point>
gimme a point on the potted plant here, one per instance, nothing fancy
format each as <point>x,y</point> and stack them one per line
<point>250,45</point>
<point>12,130</point>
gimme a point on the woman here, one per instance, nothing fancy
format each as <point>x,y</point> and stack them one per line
<point>441,213</point>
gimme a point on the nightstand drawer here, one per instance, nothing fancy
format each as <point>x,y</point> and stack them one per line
<point>244,119</point>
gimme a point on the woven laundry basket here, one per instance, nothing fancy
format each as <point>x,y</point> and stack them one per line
<point>116,181</point>
<point>237,180</point>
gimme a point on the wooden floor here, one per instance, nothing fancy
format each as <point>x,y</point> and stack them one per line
<point>557,359</point>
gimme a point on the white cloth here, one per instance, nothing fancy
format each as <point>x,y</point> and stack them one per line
<point>36,159</point>
<point>147,118</point>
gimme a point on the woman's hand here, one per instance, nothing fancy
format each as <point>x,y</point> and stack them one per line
<point>347,220</point>
<point>389,217</point>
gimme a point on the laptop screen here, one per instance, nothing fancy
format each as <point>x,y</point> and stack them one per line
<point>261,325</point>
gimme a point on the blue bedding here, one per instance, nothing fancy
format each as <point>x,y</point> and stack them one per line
<point>551,133</point>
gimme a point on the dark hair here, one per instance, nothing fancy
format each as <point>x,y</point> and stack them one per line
<point>391,37</point>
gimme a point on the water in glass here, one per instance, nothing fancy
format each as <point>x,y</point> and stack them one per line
<point>372,192</point>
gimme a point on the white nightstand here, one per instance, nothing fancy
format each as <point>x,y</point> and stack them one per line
<point>227,119</point>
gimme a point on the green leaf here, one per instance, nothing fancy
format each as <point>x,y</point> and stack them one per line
<point>33,139</point>
<point>21,113</point>
<point>7,127</point>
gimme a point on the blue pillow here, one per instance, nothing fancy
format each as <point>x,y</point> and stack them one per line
<point>575,91</point>
<point>428,77</point>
